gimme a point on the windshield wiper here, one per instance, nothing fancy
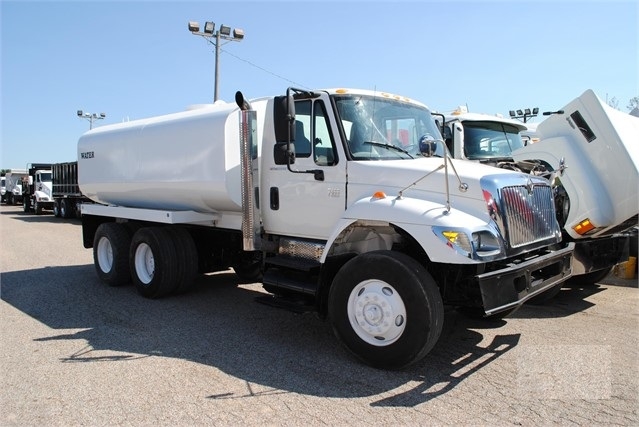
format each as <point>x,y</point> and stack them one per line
<point>389,146</point>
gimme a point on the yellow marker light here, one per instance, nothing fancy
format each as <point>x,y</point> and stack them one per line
<point>583,227</point>
<point>379,195</point>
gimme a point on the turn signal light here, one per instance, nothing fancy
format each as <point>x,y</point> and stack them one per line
<point>583,227</point>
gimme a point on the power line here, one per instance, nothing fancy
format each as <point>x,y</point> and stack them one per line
<point>299,85</point>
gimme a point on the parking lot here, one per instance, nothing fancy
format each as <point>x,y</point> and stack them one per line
<point>75,352</point>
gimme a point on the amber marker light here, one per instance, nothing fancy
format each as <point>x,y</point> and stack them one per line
<point>379,195</point>
<point>583,227</point>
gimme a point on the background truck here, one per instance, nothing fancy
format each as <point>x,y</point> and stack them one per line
<point>339,201</point>
<point>13,184</point>
<point>590,153</point>
<point>37,188</point>
<point>3,189</point>
<point>67,197</point>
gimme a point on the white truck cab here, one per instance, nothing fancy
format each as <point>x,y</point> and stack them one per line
<point>587,150</point>
<point>37,188</point>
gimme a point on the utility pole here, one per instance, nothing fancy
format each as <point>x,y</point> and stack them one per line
<point>209,33</point>
<point>91,117</point>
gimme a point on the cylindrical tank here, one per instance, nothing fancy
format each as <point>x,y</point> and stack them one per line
<point>183,161</point>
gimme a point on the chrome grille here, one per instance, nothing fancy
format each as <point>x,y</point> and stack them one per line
<point>528,213</point>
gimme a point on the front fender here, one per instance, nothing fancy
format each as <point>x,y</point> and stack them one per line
<point>421,219</point>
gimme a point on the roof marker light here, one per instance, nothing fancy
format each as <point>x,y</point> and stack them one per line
<point>378,195</point>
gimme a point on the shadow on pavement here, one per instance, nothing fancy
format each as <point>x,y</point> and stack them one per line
<point>219,324</point>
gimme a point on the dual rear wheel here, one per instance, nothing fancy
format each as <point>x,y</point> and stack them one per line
<point>159,260</point>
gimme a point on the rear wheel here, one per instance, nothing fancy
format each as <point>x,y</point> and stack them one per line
<point>65,208</point>
<point>154,262</point>
<point>386,309</point>
<point>187,258</point>
<point>111,253</point>
<point>56,208</point>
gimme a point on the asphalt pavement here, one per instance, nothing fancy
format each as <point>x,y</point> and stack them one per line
<point>76,352</point>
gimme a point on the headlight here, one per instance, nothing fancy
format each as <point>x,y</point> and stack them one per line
<point>485,243</point>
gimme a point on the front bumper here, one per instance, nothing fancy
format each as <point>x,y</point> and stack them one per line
<point>511,286</point>
<point>599,253</point>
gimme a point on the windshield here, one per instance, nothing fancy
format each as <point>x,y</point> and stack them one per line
<point>44,177</point>
<point>483,140</point>
<point>379,128</point>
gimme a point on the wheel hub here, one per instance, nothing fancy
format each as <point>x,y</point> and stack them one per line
<point>377,312</point>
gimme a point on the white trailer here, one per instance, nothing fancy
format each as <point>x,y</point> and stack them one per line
<point>590,158</point>
<point>339,201</point>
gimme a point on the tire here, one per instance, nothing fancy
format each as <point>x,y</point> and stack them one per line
<point>249,271</point>
<point>386,309</point>
<point>56,208</point>
<point>590,279</point>
<point>111,253</point>
<point>187,258</point>
<point>65,208</point>
<point>546,296</point>
<point>153,262</point>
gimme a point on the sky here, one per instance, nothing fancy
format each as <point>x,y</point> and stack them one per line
<point>137,59</point>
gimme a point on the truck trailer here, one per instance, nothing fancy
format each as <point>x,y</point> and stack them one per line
<point>588,151</point>
<point>37,188</point>
<point>67,197</point>
<point>310,194</point>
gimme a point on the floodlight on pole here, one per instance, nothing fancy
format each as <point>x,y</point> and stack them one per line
<point>215,38</point>
<point>526,114</point>
<point>91,117</point>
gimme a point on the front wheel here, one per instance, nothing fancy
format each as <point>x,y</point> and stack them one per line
<point>386,309</point>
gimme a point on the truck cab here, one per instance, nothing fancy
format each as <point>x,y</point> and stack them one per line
<point>37,195</point>
<point>589,160</point>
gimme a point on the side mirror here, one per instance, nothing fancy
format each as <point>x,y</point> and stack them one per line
<point>284,153</point>
<point>284,118</point>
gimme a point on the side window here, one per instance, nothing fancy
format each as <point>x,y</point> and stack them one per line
<point>323,144</point>
<point>302,129</point>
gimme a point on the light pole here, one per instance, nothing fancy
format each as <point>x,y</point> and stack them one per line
<point>209,33</point>
<point>526,114</point>
<point>91,117</point>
